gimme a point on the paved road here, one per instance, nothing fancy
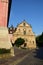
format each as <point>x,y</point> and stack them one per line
<point>25,57</point>
<point>33,58</point>
<point>19,54</point>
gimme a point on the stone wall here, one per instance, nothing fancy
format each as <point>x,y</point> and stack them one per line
<point>4,38</point>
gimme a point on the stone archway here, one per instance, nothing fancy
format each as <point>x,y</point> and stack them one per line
<point>19,42</point>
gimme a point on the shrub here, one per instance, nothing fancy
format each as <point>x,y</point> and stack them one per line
<point>2,51</point>
<point>39,40</point>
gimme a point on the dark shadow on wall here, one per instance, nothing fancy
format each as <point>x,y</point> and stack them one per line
<point>9,9</point>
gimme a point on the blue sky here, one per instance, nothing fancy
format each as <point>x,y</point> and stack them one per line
<point>30,10</point>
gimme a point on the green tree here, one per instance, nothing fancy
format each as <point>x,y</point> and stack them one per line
<point>39,40</point>
<point>19,42</point>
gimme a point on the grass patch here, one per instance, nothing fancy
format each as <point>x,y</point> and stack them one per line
<point>3,51</point>
<point>23,48</point>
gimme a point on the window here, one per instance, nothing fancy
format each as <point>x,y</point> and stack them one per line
<point>24,32</point>
<point>26,40</point>
<point>25,44</point>
<point>19,30</point>
<point>30,41</point>
<point>29,30</point>
<point>24,24</point>
<point>33,42</point>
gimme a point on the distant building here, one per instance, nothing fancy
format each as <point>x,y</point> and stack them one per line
<point>24,30</point>
<point>11,31</point>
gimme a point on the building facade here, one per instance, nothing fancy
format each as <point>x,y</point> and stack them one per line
<point>24,31</point>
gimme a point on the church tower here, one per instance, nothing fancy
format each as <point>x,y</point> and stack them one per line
<point>4,12</point>
<point>5,6</point>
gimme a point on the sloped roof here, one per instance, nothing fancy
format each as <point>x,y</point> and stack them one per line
<point>24,21</point>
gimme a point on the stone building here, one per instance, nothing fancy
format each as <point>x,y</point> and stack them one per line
<point>24,31</point>
<point>5,6</point>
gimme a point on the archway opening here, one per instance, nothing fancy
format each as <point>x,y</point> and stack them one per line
<point>19,42</point>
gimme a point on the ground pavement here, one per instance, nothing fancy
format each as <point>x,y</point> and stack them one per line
<point>25,57</point>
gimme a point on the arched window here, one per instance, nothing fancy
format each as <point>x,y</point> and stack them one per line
<point>19,30</point>
<point>33,42</point>
<point>24,32</point>
<point>24,23</point>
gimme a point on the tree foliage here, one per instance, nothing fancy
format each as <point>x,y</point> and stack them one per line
<point>19,42</point>
<point>39,40</point>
